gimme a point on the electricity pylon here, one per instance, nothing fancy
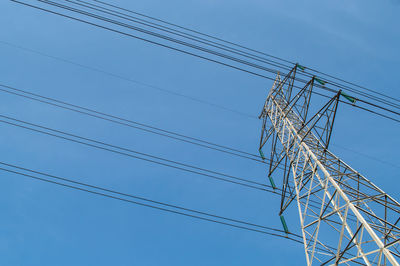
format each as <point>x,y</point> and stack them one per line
<point>344,217</point>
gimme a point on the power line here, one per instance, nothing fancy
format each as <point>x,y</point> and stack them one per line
<point>151,86</point>
<point>362,108</point>
<point>172,92</point>
<point>356,107</point>
<point>226,178</point>
<point>216,45</point>
<point>124,78</point>
<point>178,33</point>
<point>274,191</point>
<point>154,34</point>
<point>240,46</point>
<point>373,158</point>
<point>171,132</point>
<point>146,40</point>
<point>150,203</point>
<point>128,123</point>
<point>254,185</point>
<point>130,80</point>
<point>175,209</point>
<point>212,174</point>
<point>213,52</point>
<point>196,55</point>
<point>190,30</point>
<point>139,155</point>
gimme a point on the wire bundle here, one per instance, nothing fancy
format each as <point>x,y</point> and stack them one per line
<point>127,22</point>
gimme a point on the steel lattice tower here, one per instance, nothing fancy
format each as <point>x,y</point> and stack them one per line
<point>344,217</point>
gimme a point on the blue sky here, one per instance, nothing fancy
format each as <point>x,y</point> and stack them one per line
<point>43,224</point>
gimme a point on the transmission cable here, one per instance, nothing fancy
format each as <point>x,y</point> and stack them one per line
<point>105,192</point>
<point>128,123</point>
<point>130,80</point>
<point>143,39</point>
<point>174,93</point>
<point>222,47</point>
<point>183,51</point>
<point>123,151</point>
<point>154,34</point>
<point>150,203</point>
<point>240,46</point>
<point>362,108</point>
<point>193,31</point>
<point>179,33</point>
<point>226,178</point>
<point>207,50</point>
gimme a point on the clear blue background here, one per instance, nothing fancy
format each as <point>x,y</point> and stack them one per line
<point>42,224</point>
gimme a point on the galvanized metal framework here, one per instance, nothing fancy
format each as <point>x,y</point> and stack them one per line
<point>344,217</point>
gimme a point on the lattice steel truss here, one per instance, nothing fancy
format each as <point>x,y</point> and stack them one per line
<point>344,217</point>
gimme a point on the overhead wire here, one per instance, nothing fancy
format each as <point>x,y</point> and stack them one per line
<point>239,46</point>
<point>58,102</point>
<point>165,162</point>
<point>177,94</point>
<point>154,34</point>
<point>189,53</point>
<point>266,159</point>
<point>130,123</point>
<point>57,58</point>
<point>135,81</point>
<point>139,155</point>
<point>166,207</point>
<point>205,216</point>
<point>179,33</point>
<point>191,30</point>
<point>151,86</point>
<point>213,52</point>
<point>361,107</point>
<point>146,40</point>
<point>75,18</point>
<point>207,50</point>
<point>216,45</point>
<point>150,204</point>
<point>315,92</point>
<point>102,71</point>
